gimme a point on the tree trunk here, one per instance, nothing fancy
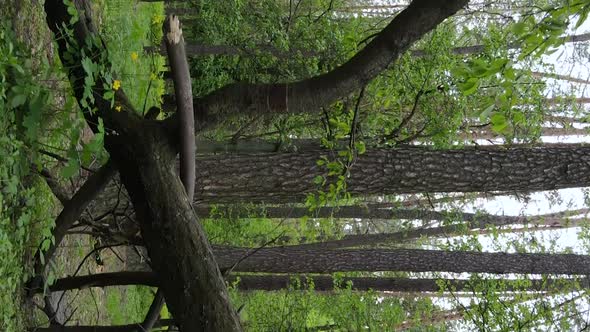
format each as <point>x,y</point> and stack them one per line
<point>288,260</point>
<point>482,222</point>
<point>379,212</point>
<point>249,282</point>
<point>98,328</point>
<point>290,177</point>
<point>400,285</point>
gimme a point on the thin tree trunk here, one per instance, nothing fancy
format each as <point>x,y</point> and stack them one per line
<point>98,328</point>
<point>561,100</point>
<point>375,211</point>
<point>464,50</point>
<point>72,211</point>
<point>360,240</point>
<point>487,133</point>
<point>249,282</point>
<point>560,77</point>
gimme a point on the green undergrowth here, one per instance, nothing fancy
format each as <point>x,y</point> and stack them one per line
<point>128,27</point>
<point>37,112</point>
<point>25,203</point>
<point>300,308</point>
<point>128,304</point>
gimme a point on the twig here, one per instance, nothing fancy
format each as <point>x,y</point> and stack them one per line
<point>353,125</point>
<point>62,159</point>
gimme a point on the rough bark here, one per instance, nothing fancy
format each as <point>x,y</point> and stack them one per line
<point>174,42</point>
<point>287,260</point>
<point>288,177</point>
<point>308,95</point>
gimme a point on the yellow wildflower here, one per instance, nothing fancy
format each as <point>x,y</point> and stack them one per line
<point>116,85</point>
<point>157,19</point>
<point>118,108</point>
<point>134,56</point>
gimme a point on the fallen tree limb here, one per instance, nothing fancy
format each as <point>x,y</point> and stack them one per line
<point>73,209</point>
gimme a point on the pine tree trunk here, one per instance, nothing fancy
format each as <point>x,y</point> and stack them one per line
<point>289,177</point>
<point>289,260</point>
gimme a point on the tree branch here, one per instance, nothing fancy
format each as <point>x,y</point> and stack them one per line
<point>184,97</point>
<point>74,208</point>
<point>309,95</point>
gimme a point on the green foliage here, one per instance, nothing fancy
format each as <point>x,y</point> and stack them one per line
<point>224,228</point>
<point>128,304</point>
<point>125,36</point>
<point>299,308</point>
<point>540,34</point>
<point>274,44</point>
<point>24,204</point>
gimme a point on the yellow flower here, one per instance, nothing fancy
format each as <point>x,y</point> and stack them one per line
<point>157,19</point>
<point>118,108</point>
<point>116,85</point>
<point>134,56</point>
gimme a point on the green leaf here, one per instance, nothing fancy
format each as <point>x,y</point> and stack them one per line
<point>499,123</point>
<point>71,168</point>
<point>318,180</point>
<point>518,117</point>
<point>519,28</point>
<point>360,147</point>
<point>18,100</point>
<point>469,87</point>
<point>486,112</point>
